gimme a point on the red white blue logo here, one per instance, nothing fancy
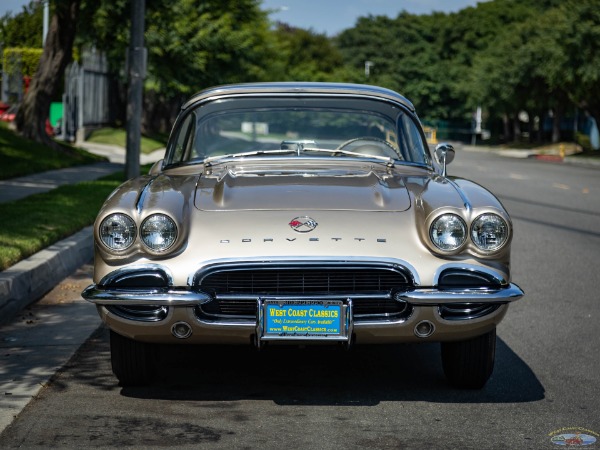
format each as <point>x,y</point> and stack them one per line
<point>303,224</point>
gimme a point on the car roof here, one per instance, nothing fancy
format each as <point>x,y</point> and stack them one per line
<point>302,88</point>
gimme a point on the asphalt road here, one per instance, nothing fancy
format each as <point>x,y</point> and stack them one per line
<point>546,381</point>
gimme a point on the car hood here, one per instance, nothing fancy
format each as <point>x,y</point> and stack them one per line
<point>236,188</point>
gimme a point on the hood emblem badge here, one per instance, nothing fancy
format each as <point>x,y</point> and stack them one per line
<point>303,224</point>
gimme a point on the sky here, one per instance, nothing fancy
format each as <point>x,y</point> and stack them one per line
<point>333,16</point>
<point>325,16</point>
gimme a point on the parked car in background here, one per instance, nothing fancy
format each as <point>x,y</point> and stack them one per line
<point>302,213</point>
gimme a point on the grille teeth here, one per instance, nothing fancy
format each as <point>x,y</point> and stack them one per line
<point>303,281</point>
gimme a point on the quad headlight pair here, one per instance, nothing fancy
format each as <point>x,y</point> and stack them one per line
<point>118,232</point>
<point>489,232</point>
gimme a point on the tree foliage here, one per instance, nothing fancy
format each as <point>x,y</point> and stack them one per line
<point>23,29</point>
<point>506,56</point>
<point>302,55</point>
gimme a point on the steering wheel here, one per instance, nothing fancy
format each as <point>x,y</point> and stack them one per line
<point>370,146</point>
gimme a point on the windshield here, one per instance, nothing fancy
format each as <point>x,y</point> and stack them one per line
<point>302,127</point>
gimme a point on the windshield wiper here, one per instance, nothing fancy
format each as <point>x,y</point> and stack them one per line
<point>390,161</point>
<point>252,153</point>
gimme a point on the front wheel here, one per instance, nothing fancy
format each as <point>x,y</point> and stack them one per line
<point>469,364</point>
<point>133,362</point>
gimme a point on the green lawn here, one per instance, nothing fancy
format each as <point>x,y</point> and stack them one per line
<point>19,156</point>
<point>35,222</point>
<point>118,136</point>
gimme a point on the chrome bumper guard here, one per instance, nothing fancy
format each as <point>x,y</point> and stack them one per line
<point>157,297</point>
<point>435,297</point>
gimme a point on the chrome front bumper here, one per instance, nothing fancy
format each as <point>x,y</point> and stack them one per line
<point>183,297</point>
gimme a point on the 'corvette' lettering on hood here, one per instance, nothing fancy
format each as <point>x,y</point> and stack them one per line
<point>342,191</point>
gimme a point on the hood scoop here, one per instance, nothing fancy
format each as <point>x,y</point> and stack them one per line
<point>323,190</point>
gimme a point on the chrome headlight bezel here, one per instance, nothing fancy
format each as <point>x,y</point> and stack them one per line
<point>122,225</point>
<point>486,224</point>
<point>158,233</point>
<point>448,233</point>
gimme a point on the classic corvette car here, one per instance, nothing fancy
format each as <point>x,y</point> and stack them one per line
<point>299,214</point>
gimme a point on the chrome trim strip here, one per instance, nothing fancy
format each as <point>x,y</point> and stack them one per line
<point>158,297</point>
<point>158,315</point>
<point>432,297</point>
<point>339,296</point>
<point>140,200</point>
<point>266,261</point>
<point>287,89</point>
<point>470,268</point>
<point>469,313</point>
<point>466,202</point>
<point>111,277</point>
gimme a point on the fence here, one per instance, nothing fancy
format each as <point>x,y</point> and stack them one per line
<point>86,96</point>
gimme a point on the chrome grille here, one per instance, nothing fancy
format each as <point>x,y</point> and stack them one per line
<point>303,281</point>
<point>236,290</point>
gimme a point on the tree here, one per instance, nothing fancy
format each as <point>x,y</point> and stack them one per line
<point>23,29</point>
<point>303,55</point>
<point>191,45</point>
<point>33,113</point>
<point>572,52</point>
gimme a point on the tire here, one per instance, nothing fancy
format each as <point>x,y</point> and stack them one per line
<point>133,362</point>
<point>469,364</point>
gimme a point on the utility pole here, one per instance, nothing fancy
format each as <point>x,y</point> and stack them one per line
<point>136,68</point>
<point>46,21</point>
<point>368,65</point>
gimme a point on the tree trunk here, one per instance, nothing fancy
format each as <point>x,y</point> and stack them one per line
<point>516,127</point>
<point>506,127</point>
<point>33,112</point>
<point>556,119</point>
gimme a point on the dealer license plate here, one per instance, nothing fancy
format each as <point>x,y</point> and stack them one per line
<point>304,319</point>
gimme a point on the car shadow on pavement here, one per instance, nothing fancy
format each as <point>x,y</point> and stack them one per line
<point>366,375</point>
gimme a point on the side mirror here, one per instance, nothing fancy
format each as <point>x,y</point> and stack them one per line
<point>444,153</point>
<point>156,167</point>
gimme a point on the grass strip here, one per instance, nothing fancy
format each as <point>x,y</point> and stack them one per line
<point>35,222</point>
<point>118,136</point>
<point>19,156</point>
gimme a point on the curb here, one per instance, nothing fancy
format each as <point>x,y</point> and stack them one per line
<point>28,280</point>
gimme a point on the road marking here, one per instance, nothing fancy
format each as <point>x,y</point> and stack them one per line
<point>561,186</point>
<point>516,176</point>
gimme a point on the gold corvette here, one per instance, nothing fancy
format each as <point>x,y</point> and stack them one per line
<point>302,213</point>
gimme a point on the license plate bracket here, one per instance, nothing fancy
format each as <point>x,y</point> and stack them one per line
<point>308,320</point>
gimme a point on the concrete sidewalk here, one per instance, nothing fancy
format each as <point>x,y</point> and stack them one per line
<point>41,339</point>
<point>116,154</point>
<point>21,187</point>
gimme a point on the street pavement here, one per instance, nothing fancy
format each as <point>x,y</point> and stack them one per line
<point>38,337</point>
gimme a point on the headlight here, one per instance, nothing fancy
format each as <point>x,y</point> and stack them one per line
<point>448,232</point>
<point>489,232</point>
<point>117,231</point>
<point>158,232</point>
